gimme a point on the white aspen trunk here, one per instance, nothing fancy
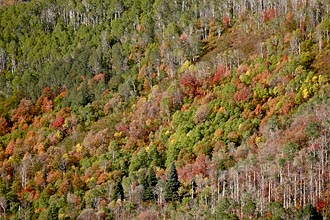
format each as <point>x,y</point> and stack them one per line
<point>316,188</point>
<point>284,198</point>
<point>212,200</point>
<point>281,176</point>
<point>237,186</point>
<point>249,182</point>
<point>321,173</point>
<point>160,200</point>
<point>24,175</point>
<point>289,194</point>
<point>304,192</point>
<point>231,188</point>
<point>223,189</point>
<point>3,207</point>
<point>300,191</point>
<point>218,188</point>
<point>319,182</point>
<point>295,191</point>
<point>262,192</point>
<point>311,189</point>
<point>254,179</point>
<point>269,190</point>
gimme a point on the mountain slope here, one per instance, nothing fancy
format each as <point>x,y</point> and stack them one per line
<point>104,106</point>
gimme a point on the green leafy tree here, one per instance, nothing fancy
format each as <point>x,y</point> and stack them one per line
<point>224,209</point>
<point>277,210</point>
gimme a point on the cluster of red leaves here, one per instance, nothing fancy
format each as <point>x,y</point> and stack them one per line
<point>39,180</point>
<point>10,148</point>
<point>288,104</point>
<point>268,14</point>
<point>26,194</point>
<point>148,215</point>
<point>122,127</point>
<point>47,105</point>
<point>23,114</point>
<point>190,170</point>
<point>190,85</point>
<point>58,122</point>
<point>4,126</point>
<point>289,20</point>
<point>243,93</point>
<point>53,176</point>
<point>225,20</point>
<point>99,77</point>
<point>45,101</point>
<point>183,37</point>
<point>220,74</point>
<point>320,205</point>
<point>261,77</point>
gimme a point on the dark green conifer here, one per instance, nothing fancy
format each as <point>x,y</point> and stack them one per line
<point>149,182</point>
<point>309,213</point>
<point>118,191</point>
<point>52,213</point>
<point>172,184</point>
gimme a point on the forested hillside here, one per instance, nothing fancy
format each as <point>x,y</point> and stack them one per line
<point>152,109</point>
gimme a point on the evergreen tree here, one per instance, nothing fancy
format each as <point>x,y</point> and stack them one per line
<point>149,182</point>
<point>118,191</point>
<point>309,213</point>
<point>172,184</point>
<point>52,213</point>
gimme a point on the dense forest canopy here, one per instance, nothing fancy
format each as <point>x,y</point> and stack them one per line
<point>151,109</point>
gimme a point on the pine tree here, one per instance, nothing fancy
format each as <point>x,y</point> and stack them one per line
<point>172,184</point>
<point>52,211</point>
<point>149,182</point>
<point>118,191</point>
<point>309,213</point>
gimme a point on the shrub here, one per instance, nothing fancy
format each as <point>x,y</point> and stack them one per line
<point>201,114</point>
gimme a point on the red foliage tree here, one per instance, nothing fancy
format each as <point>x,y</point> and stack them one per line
<point>225,21</point>
<point>53,176</point>
<point>320,205</point>
<point>99,77</point>
<point>10,148</point>
<point>47,105</point>
<point>189,84</point>
<point>243,93</point>
<point>58,123</point>
<point>45,101</point>
<point>23,114</point>
<point>199,167</point>
<point>183,37</point>
<point>185,173</point>
<point>4,126</point>
<point>220,74</point>
<point>148,215</point>
<point>269,14</point>
<point>122,127</point>
<point>39,180</point>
